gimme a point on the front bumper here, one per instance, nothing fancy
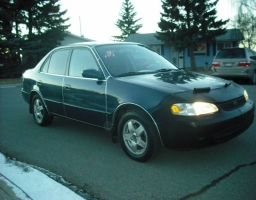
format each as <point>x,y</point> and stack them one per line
<point>196,132</point>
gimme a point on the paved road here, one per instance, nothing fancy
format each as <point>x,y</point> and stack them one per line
<point>86,156</point>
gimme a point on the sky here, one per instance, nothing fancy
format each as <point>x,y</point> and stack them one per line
<point>28,183</point>
<point>98,17</point>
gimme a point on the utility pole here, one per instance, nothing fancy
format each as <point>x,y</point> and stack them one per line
<point>81,34</point>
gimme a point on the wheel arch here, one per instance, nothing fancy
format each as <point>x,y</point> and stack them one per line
<point>124,108</point>
<point>32,94</point>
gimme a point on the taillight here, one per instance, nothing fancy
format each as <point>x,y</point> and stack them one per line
<point>243,64</point>
<point>215,64</point>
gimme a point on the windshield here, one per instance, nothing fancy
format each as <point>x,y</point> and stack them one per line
<point>132,59</point>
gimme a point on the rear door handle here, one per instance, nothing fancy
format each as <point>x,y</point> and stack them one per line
<point>67,87</point>
<point>39,82</point>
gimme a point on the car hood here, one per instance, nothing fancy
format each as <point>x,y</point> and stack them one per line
<point>179,81</point>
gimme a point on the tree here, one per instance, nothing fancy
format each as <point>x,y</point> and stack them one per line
<point>43,18</point>
<point>185,23</point>
<point>30,28</point>
<point>127,24</point>
<point>10,42</point>
<point>245,20</point>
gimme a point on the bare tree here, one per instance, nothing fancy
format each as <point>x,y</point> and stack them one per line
<point>245,20</point>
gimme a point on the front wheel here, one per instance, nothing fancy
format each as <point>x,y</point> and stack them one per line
<point>40,113</point>
<point>138,136</point>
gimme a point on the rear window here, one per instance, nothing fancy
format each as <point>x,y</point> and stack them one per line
<point>231,53</point>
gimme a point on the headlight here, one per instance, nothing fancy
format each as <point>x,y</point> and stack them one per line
<point>197,108</point>
<point>246,96</point>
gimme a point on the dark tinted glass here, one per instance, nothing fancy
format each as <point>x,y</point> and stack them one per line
<point>45,66</point>
<point>120,59</point>
<point>81,59</point>
<point>58,62</point>
<point>231,53</point>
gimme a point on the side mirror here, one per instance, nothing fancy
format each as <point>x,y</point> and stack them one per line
<point>92,73</point>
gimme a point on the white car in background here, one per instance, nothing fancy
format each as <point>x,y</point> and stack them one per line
<point>235,63</point>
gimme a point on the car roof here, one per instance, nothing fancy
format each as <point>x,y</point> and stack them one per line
<point>93,44</point>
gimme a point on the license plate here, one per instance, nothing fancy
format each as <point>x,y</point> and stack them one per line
<point>228,64</point>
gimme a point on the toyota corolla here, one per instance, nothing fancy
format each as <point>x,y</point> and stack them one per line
<point>138,95</point>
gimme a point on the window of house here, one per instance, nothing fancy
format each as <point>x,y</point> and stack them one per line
<point>200,49</point>
<point>222,45</point>
<point>81,60</point>
<point>58,62</point>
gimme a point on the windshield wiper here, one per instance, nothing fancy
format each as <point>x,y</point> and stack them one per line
<point>165,70</point>
<point>130,74</point>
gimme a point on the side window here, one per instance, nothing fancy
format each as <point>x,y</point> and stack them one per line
<point>44,67</point>
<point>81,59</point>
<point>58,62</point>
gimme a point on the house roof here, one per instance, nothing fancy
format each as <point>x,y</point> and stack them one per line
<point>150,39</point>
<point>231,35</point>
<point>78,37</point>
<point>146,38</point>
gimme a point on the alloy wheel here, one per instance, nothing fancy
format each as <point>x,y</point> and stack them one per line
<point>135,137</point>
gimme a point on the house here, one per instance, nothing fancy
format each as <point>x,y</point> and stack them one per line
<point>203,55</point>
<point>72,38</point>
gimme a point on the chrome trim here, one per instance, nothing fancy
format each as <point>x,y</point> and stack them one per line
<point>53,101</point>
<point>52,74</point>
<point>83,108</point>
<point>76,77</point>
<point>62,90</point>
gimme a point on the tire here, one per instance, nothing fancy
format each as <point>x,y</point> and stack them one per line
<point>138,136</point>
<point>40,113</point>
<point>253,79</point>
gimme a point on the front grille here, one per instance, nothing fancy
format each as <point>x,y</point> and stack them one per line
<point>234,127</point>
<point>235,103</point>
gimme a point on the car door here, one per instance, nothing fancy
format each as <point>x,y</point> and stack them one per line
<point>84,98</point>
<point>51,79</point>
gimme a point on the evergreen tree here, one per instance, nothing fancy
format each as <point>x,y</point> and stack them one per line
<point>127,24</point>
<point>44,24</point>
<point>10,41</point>
<point>185,23</point>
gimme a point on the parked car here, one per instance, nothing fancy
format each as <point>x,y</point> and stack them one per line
<point>138,95</point>
<point>235,63</point>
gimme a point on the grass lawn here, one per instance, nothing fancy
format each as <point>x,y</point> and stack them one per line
<point>10,80</point>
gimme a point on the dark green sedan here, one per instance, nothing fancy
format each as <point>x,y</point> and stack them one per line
<point>138,95</point>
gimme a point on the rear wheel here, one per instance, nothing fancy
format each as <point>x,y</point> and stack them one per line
<point>40,113</point>
<point>253,79</point>
<point>138,136</point>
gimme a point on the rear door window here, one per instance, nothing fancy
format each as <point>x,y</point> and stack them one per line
<point>45,66</point>
<point>58,62</point>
